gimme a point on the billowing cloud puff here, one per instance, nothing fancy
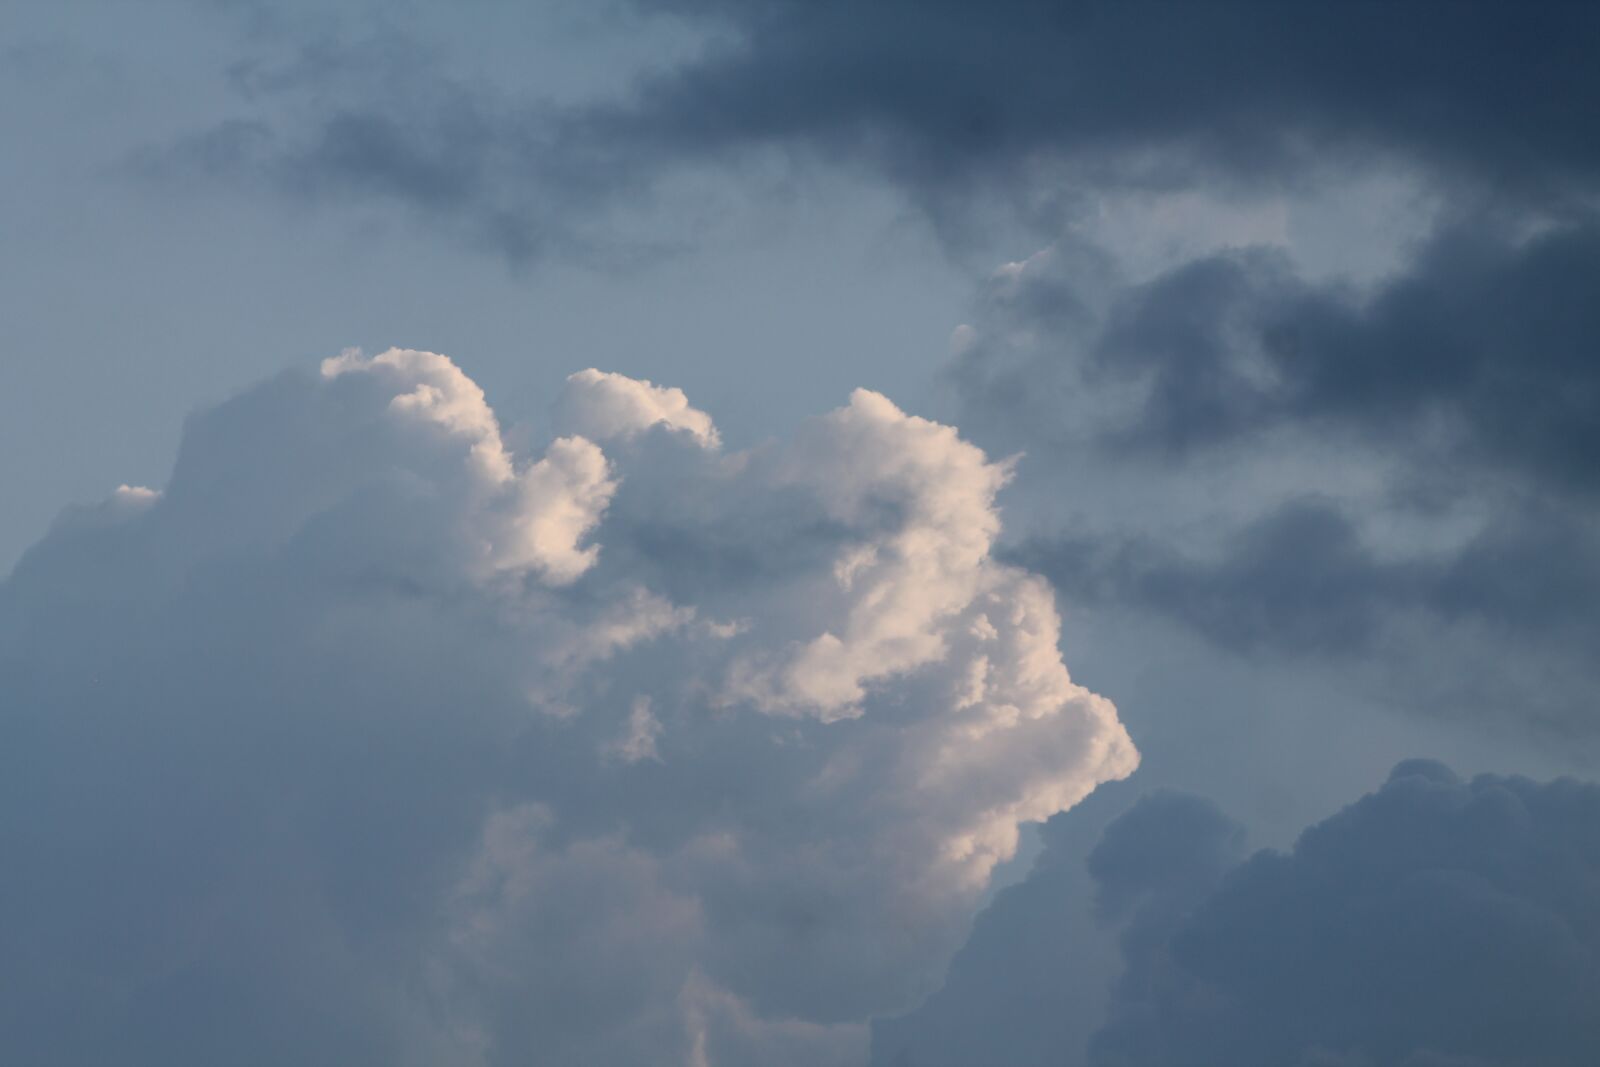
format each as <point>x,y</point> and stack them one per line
<point>898,583</point>
<point>535,518</point>
<point>605,406</point>
<point>369,740</point>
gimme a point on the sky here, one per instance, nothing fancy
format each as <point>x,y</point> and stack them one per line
<point>896,534</point>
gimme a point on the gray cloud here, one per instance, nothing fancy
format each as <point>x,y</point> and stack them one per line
<point>1434,921</point>
<point>1301,580</point>
<point>945,91</point>
<point>466,164</point>
<point>1031,984</point>
<point>1479,352</point>
<point>1491,336</point>
<point>1023,102</point>
<point>1399,473</point>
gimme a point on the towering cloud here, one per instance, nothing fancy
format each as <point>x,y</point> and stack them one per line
<point>370,740</point>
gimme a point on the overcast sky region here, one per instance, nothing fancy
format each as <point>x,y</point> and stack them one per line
<point>918,533</point>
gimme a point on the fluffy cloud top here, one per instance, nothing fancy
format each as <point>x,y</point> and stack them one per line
<point>369,740</point>
<point>605,406</point>
<point>535,518</point>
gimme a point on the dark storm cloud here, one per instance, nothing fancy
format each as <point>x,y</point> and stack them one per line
<point>1434,921</point>
<point>1301,580</point>
<point>948,100</point>
<point>1161,855</point>
<point>1466,383</point>
<point>945,94</point>
<point>1481,353</point>
<point>1298,580</point>
<point>1491,336</point>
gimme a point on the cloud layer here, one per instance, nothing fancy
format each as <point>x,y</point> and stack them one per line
<point>1026,102</point>
<point>1391,473</point>
<point>370,740</point>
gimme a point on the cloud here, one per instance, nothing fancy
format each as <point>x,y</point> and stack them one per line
<point>535,519</point>
<point>1434,921</point>
<point>1483,344</point>
<point>1477,351</point>
<point>369,739</point>
<point>942,502</point>
<point>1303,581</point>
<point>1023,102</point>
<point>1298,581</point>
<point>1392,473</point>
<point>1030,984</point>
<point>942,93</point>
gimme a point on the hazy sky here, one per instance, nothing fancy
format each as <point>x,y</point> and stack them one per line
<point>799,532</point>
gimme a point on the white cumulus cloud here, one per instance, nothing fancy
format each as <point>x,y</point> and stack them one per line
<point>370,740</point>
